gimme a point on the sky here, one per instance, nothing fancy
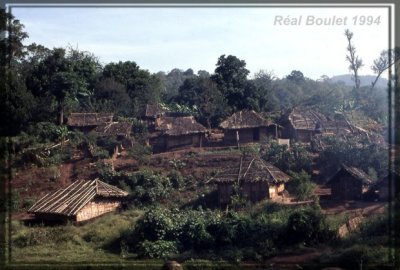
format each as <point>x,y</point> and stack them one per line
<point>164,38</point>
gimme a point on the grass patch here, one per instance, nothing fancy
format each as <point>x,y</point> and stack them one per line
<point>91,242</point>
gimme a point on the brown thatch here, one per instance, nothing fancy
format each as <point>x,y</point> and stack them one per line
<point>115,128</point>
<point>153,111</point>
<point>89,119</point>
<point>245,119</point>
<point>305,119</point>
<point>177,126</point>
<point>251,170</point>
<point>68,201</point>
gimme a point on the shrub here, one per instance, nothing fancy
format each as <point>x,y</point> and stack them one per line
<point>140,152</point>
<point>304,226</point>
<point>177,179</point>
<point>301,185</point>
<point>157,249</point>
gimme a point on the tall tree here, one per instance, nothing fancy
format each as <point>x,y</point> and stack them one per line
<point>386,59</point>
<point>231,79</point>
<point>355,62</point>
<point>64,75</point>
<point>204,95</point>
<point>142,87</point>
<point>16,102</point>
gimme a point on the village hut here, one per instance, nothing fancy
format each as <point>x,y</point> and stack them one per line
<point>349,183</point>
<point>176,132</point>
<point>120,130</point>
<point>256,178</point>
<point>247,126</point>
<point>80,201</point>
<point>302,124</point>
<point>151,113</point>
<point>87,122</point>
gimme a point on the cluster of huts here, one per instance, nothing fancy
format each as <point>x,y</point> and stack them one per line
<point>170,131</point>
<point>252,177</point>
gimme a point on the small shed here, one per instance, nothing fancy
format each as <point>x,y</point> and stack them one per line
<point>80,201</point>
<point>176,132</point>
<point>256,178</point>
<point>88,121</point>
<point>349,183</point>
<point>151,113</point>
<point>300,124</point>
<point>247,126</point>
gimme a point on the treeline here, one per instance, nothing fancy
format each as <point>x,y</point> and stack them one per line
<point>43,85</point>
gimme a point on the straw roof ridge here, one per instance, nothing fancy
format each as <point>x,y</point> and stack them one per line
<point>252,169</point>
<point>358,174</point>
<point>245,119</point>
<point>176,126</point>
<point>89,119</point>
<point>69,200</point>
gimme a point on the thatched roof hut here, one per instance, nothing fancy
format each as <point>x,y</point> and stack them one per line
<point>89,119</point>
<point>247,126</point>
<point>350,183</point>
<point>302,124</point>
<point>122,129</point>
<point>176,132</point>
<point>177,126</point>
<point>257,178</point>
<point>80,201</point>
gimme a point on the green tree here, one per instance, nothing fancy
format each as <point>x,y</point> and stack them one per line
<point>111,96</point>
<point>204,95</point>
<point>65,75</point>
<point>296,76</point>
<point>231,79</point>
<point>142,87</point>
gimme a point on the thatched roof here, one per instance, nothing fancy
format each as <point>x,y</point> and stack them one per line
<point>305,119</point>
<point>176,126</point>
<point>153,111</point>
<point>245,119</point>
<point>68,201</point>
<point>251,169</point>
<point>89,119</point>
<point>357,173</point>
<point>115,128</point>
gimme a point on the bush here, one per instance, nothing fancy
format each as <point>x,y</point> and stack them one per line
<point>301,185</point>
<point>157,249</point>
<point>140,152</point>
<point>304,226</point>
<point>177,179</point>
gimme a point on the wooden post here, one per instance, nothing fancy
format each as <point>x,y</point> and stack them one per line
<point>237,138</point>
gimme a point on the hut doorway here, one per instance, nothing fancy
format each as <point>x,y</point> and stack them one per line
<point>256,134</point>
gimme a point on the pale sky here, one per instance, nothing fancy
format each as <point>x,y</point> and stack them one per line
<point>160,39</point>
